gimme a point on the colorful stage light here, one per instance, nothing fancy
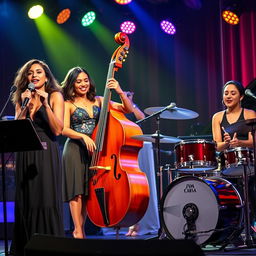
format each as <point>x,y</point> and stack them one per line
<point>230,17</point>
<point>88,18</point>
<point>128,27</point>
<point>123,1</point>
<point>168,27</point>
<point>35,11</point>
<point>231,10</point>
<point>63,16</point>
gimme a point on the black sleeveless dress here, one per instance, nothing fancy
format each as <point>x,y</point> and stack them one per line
<point>224,123</point>
<point>75,155</point>
<point>38,202</point>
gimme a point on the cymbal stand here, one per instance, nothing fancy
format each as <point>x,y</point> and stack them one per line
<point>161,233</point>
<point>248,238</point>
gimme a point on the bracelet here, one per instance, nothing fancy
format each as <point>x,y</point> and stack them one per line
<point>134,106</point>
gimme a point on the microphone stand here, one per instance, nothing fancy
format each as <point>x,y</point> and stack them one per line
<point>7,101</point>
<point>13,89</point>
<point>158,156</point>
<point>172,105</point>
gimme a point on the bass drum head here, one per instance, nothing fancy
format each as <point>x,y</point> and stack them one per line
<point>182,192</point>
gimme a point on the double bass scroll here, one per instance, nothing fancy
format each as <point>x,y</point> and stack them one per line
<point>118,189</point>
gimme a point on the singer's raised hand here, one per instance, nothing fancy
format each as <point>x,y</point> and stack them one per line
<point>26,94</point>
<point>43,97</point>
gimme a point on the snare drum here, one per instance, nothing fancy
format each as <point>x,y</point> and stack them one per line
<point>209,211</point>
<point>196,156</point>
<point>233,161</point>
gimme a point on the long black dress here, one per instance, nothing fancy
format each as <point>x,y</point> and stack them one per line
<point>75,155</point>
<point>38,202</point>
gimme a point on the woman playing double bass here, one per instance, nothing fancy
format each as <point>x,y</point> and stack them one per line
<point>82,110</point>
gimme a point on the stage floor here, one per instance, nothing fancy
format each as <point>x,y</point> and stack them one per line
<point>208,250</point>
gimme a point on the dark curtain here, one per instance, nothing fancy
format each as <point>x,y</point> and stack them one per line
<point>238,46</point>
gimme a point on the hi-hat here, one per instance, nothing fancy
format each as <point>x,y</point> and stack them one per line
<point>153,138</point>
<point>241,126</point>
<point>173,113</point>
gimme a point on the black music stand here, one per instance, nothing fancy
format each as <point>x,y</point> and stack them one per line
<point>15,136</point>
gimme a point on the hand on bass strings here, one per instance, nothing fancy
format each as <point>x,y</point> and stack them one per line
<point>112,83</point>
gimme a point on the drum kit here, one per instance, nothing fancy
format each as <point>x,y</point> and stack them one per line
<point>205,208</point>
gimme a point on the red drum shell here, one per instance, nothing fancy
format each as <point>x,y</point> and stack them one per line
<point>196,156</point>
<point>233,161</point>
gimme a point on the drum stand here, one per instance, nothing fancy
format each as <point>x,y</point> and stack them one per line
<point>161,232</point>
<point>248,238</point>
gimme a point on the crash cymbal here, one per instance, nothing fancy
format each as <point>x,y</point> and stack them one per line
<point>241,126</point>
<point>173,113</point>
<point>152,138</point>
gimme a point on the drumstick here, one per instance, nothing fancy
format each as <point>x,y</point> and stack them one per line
<point>224,129</point>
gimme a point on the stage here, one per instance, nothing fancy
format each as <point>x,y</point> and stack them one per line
<point>160,246</point>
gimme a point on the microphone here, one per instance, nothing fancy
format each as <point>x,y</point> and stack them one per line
<point>172,105</point>
<point>12,90</point>
<point>31,87</point>
<point>248,92</point>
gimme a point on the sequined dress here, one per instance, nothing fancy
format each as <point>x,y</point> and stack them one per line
<point>75,155</point>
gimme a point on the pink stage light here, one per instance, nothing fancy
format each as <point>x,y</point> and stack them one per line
<point>168,27</point>
<point>128,27</point>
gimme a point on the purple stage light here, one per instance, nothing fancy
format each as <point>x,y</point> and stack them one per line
<point>128,27</point>
<point>168,27</point>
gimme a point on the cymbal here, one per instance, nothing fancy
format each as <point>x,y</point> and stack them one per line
<point>241,126</point>
<point>173,113</point>
<point>152,138</point>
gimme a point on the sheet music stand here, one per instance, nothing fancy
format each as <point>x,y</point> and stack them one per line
<point>15,136</point>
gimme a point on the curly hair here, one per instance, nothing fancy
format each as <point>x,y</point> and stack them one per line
<point>21,79</point>
<point>69,81</point>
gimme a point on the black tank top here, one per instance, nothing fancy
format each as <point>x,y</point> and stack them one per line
<point>241,135</point>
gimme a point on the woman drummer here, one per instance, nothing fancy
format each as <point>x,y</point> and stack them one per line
<point>233,93</point>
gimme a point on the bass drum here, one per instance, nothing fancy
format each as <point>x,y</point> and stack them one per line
<point>207,210</point>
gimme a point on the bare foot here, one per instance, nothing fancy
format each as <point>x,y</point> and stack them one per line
<point>134,233</point>
<point>78,235</point>
<point>133,230</point>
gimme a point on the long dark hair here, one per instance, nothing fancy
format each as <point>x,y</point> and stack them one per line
<point>21,79</point>
<point>69,81</point>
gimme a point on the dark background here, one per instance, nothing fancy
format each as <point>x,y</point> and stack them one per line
<point>188,68</point>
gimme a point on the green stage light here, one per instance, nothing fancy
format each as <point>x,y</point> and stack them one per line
<point>88,18</point>
<point>35,12</point>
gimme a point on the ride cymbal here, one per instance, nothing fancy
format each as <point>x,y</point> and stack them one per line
<point>173,113</point>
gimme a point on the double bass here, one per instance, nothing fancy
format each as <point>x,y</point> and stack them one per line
<point>118,189</point>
